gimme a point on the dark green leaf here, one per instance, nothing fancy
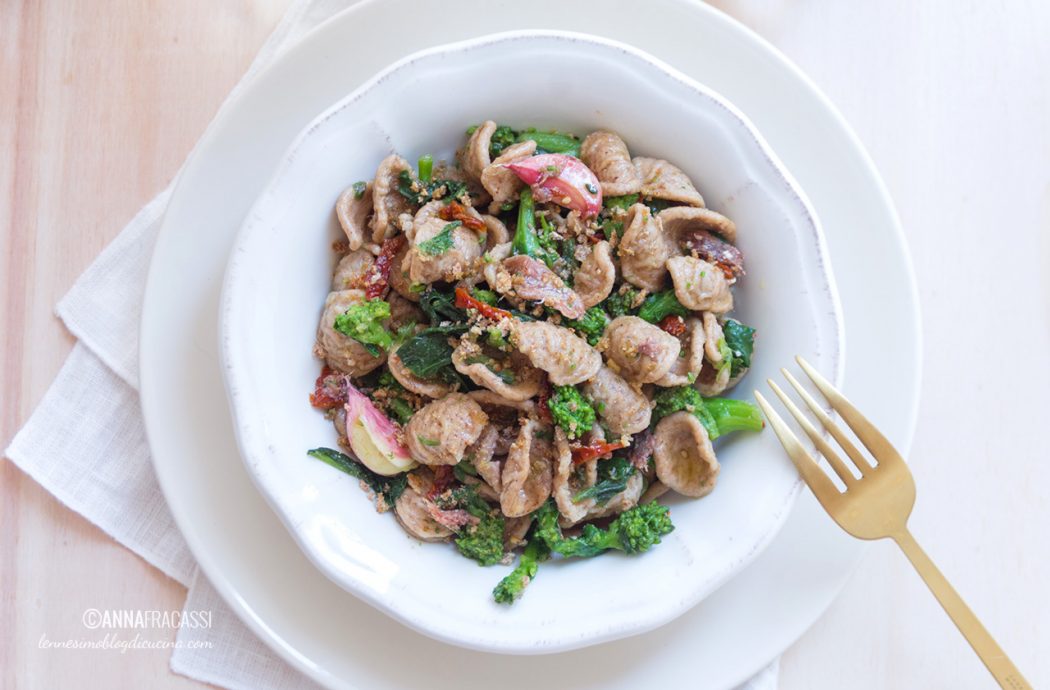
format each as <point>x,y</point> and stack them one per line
<point>426,354</point>
<point>659,305</point>
<point>612,479</point>
<point>741,342</point>
<point>441,242</point>
<point>390,488</point>
<point>440,306</point>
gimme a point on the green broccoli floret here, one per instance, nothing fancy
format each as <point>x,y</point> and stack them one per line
<point>659,305</point>
<point>591,325</point>
<point>719,416</point>
<point>487,296</point>
<point>623,202</point>
<point>620,303</point>
<point>571,411</point>
<point>513,585</point>
<point>483,541</point>
<point>503,137</point>
<point>634,531</point>
<point>364,323</point>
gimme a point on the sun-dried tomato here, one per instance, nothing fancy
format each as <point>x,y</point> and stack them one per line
<point>543,410</point>
<point>443,477</point>
<point>595,450</point>
<point>673,324</point>
<point>329,390</point>
<point>457,211</point>
<point>465,301</point>
<point>379,274</point>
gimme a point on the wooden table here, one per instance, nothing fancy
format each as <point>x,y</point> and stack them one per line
<point>100,102</point>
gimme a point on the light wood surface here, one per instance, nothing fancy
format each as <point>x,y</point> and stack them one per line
<point>101,101</point>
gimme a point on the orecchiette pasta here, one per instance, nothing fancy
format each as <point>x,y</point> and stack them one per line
<point>527,341</point>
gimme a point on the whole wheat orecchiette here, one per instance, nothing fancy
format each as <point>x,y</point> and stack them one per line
<point>521,347</point>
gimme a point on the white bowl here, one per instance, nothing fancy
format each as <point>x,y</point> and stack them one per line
<point>279,274</point>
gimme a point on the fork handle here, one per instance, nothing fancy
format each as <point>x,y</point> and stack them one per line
<point>993,656</point>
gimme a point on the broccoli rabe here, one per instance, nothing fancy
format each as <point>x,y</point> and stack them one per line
<point>740,340</point>
<point>364,323</point>
<point>660,305</point>
<point>719,416</point>
<point>635,530</point>
<point>487,296</point>
<point>385,489</point>
<point>613,475</point>
<point>513,585</point>
<point>503,137</point>
<point>525,240</point>
<point>441,242</point>
<point>591,325</point>
<point>482,541</point>
<point>623,202</point>
<point>552,142</point>
<point>620,303</point>
<point>571,411</point>
<point>393,402</point>
<point>420,192</point>
<point>733,415</point>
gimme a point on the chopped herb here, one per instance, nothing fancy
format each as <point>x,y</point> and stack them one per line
<point>441,242</point>
<point>428,442</point>
<point>359,189</point>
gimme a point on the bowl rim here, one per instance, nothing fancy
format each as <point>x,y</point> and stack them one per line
<point>653,616</point>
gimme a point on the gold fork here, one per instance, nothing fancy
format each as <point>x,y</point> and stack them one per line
<point>876,505</point>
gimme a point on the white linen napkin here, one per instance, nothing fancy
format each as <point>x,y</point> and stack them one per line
<point>100,465</point>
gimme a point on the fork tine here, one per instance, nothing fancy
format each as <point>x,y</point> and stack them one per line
<point>871,437</point>
<point>851,450</point>
<point>823,446</point>
<point>819,483</point>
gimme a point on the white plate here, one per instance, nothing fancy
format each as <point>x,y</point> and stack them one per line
<point>241,545</point>
<point>278,278</point>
